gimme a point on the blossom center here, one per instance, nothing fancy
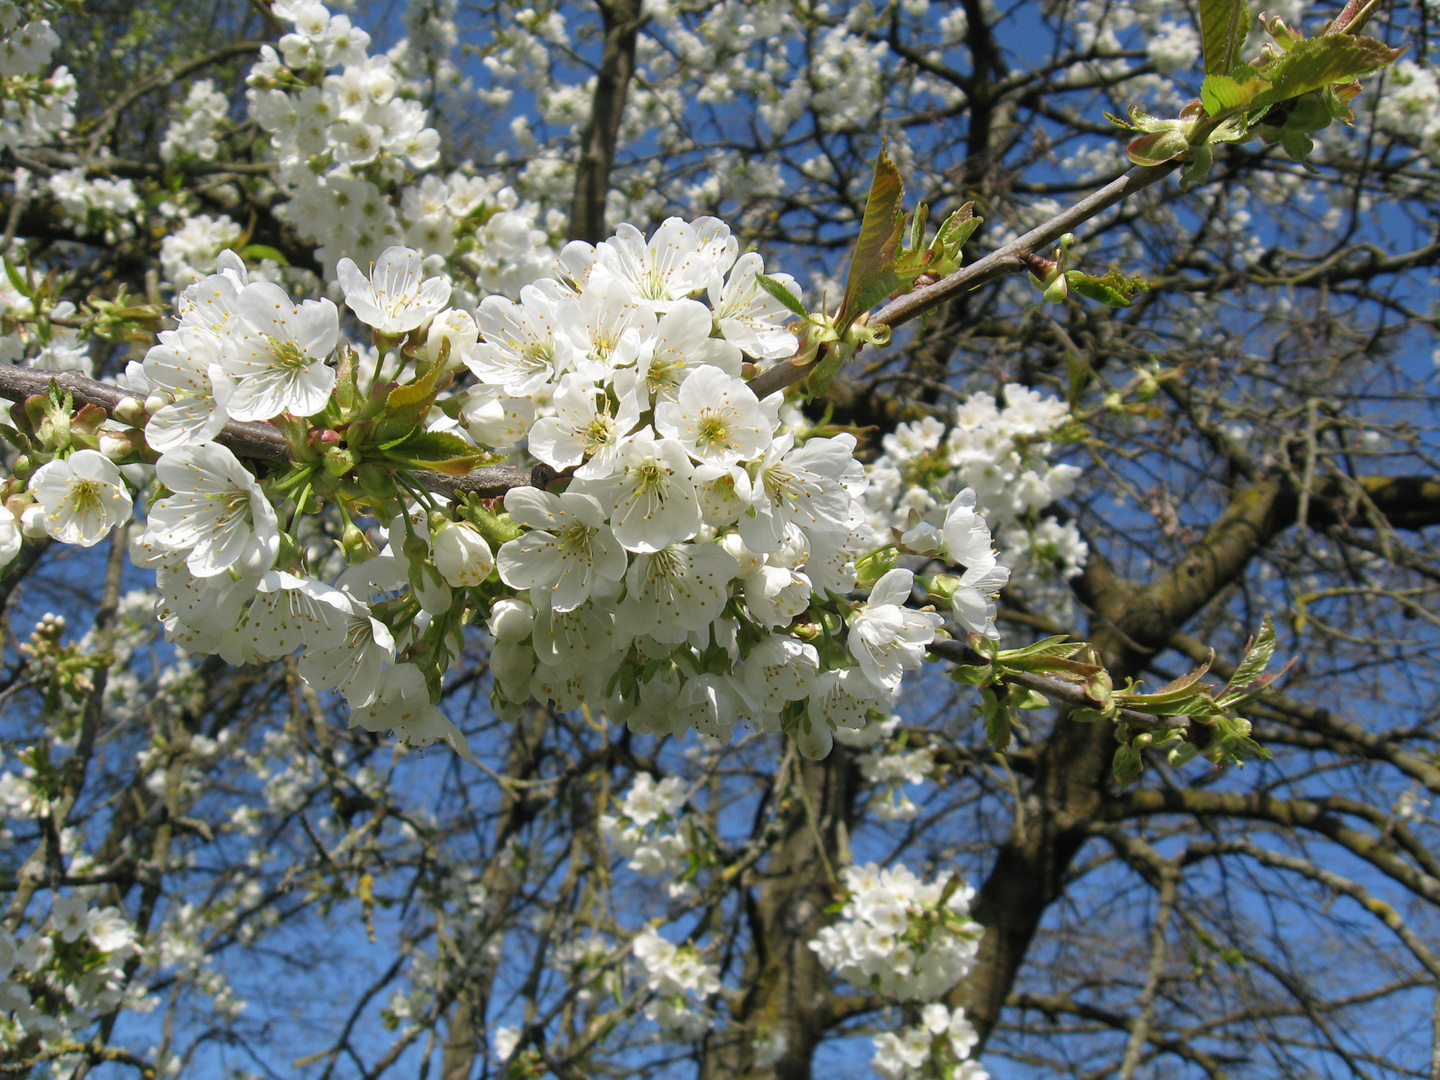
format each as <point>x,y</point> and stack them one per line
<point>599,432</point>
<point>712,430</point>
<point>651,478</point>
<point>288,356</point>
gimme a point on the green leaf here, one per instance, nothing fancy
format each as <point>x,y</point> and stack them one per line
<point>1058,645</point>
<point>832,360</point>
<point>785,296</point>
<point>1158,147</point>
<point>1113,289</point>
<point>1127,764</point>
<point>416,397</point>
<point>1244,748</point>
<point>1027,700</point>
<point>1317,62</point>
<point>997,719</point>
<point>1299,146</point>
<point>1197,169</point>
<point>17,280</point>
<point>439,450</point>
<point>1257,658</point>
<point>1220,93</point>
<point>870,278</point>
<point>972,675</point>
<point>1224,25</point>
<point>253,253</point>
<point>957,228</point>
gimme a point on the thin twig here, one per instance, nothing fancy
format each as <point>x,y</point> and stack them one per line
<point>262,441</point>
<point>1002,262</point>
<point>1068,692</point>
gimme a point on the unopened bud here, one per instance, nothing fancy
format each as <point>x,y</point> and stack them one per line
<point>32,522</point>
<point>130,411</point>
<point>356,543</point>
<point>118,446</point>
<point>456,328</point>
<point>461,555</point>
<point>157,400</point>
<point>511,620</point>
<point>339,461</point>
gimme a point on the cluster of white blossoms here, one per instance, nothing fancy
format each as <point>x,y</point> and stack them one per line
<point>189,253</point>
<point>46,343</point>
<point>96,205</point>
<point>695,570</point>
<point>1410,106</point>
<point>680,979</point>
<point>192,135</point>
<point>1001,454</point>
<point>55,981</point>
<point>891,767</point>
<point>937,1048</point>
<point>33,110</point>
<point>905,939</point>
<point>347,128</point>
<point>650,830</point>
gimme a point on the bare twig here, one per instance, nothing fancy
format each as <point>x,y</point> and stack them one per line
<point>164,77</point>
<point>1002,262</point>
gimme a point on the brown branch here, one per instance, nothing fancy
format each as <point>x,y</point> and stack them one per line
<point>1068,692</point>
<point>622,20</point>
<point>1311,815</point>
<point>1201,849</point>
<point>261,441</point>
<point>165,76</point>
<point>1002,262</point>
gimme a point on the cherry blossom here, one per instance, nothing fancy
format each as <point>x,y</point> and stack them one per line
<point>396,297</point>
<point>83,496</point>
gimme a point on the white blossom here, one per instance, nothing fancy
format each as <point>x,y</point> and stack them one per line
<point>396,297</point>
<point>84,497</point>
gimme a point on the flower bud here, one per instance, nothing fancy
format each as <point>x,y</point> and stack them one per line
<point>511,620</point>
<point>129,411</point>
<point>32,522</point>
<point>118,446</point>
<point>157,400</point>
<point>923,539</point>
<point>356,543</point>
<point>453,326</point>
<point>461,555</point>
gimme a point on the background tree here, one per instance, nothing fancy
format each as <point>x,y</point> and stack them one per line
<point>230,881</point>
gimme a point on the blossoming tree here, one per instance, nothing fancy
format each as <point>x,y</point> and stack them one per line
<point>641,451</point>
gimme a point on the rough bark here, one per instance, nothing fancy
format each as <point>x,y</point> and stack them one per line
<point>622,21</point>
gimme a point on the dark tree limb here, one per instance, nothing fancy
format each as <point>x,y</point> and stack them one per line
<point>622,21</point>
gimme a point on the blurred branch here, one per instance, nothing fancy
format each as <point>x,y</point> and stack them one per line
<point>622,20</point>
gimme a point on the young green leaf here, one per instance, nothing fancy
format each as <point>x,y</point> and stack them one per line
<point>17,280</point>
<point>1220,93</point>
<point>1224,25</point>
<point>779,292</point>
<point>1257,659</point>
<point>1317,62</point>
<point>438,450</point>
<point>870,278</point>
<point>1113,289</point>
